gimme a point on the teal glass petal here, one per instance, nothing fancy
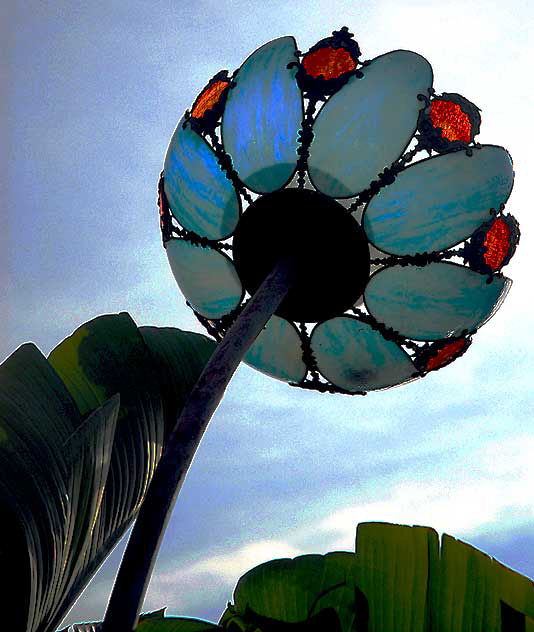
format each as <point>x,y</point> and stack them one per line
<point>199,194</point>
<point>262,117</point>
<point>354,356</point>
<point>277,351</point>
<point>367,125</point>
<point>435,301</point>
<point>439,202</point>
<point>206,277</point>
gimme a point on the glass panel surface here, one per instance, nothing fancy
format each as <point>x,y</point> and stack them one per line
<point>262,117</point>
<point>207,278</point>
<point>277,351</point>
<point>435,301</point>
<point>200,195</point>
<point>368,123</point>
<point>439,202</point>
<point>352,355</point>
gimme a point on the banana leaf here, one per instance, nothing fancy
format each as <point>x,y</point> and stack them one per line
<point>80,437</point>
<point>399,580</point>
<point>310,592</point>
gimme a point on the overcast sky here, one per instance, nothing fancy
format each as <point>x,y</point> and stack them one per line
<point>94,91</point>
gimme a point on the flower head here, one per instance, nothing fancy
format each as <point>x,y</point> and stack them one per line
<point>319,155</point>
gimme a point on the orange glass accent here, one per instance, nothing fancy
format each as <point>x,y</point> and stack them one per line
<point>454,122</point>
<point>329,62</point>
<point>446,354</point>
<point>497,244</point>
<point>208,98</point>
<point>161,205</point>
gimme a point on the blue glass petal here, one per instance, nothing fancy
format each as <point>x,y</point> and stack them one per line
<point>352,355</point>
<point>435,301</point>
<point>438,202</point>
<point>262,117</point>
<point>277,351</point>
<point>207,278</point>
<point>200,195</point>
<point>367,125</point>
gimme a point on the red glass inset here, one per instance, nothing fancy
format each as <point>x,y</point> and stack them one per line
<point>446,354</point>
<point>161,204</point>
<point>497,243</point>
<point>209,98</point>
<point>328,62</point>
<point>455,124</point>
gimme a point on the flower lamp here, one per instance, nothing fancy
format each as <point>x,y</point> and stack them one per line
<point>332,222</point>
<point>371,181</point>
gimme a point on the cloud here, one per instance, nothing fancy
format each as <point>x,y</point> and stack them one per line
<point>495,499</point>
<point>498,495</point>
<point>492,495</point>
<point>209,576</point>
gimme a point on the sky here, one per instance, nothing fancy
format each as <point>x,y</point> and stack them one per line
<point>92,94</point>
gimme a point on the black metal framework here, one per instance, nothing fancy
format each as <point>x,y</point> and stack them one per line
<point>426,356</point>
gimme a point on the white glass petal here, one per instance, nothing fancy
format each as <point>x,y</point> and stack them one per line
<point>435,301</point>
<point>277,351</point>
<point>262,117</point>
<point>199,194</point>
<point>439,202</point>
<point>352,355</point>
<point>367,125</point>
<point>207,278</point>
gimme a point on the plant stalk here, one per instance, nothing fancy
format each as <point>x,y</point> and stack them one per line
<point>143,545</point>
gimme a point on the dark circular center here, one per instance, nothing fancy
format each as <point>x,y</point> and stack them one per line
<point>329,245</point>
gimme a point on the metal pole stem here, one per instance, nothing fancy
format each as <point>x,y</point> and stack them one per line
<point>143,545</point>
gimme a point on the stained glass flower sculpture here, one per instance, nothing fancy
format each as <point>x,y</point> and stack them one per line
<point>372,180</point>
<point>311,239</point>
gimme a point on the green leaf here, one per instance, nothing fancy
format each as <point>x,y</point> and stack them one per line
<point>301,592</point>
<point>105,356</point>
<point>88,454</point>
<point>109,354</point>
<point>472,586</point>
<point>392,567</point>
<point>399,580</point>
<point>413,584</point>
<point>180,357</point>
<point>49,500</point>
<point>80,437</point>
